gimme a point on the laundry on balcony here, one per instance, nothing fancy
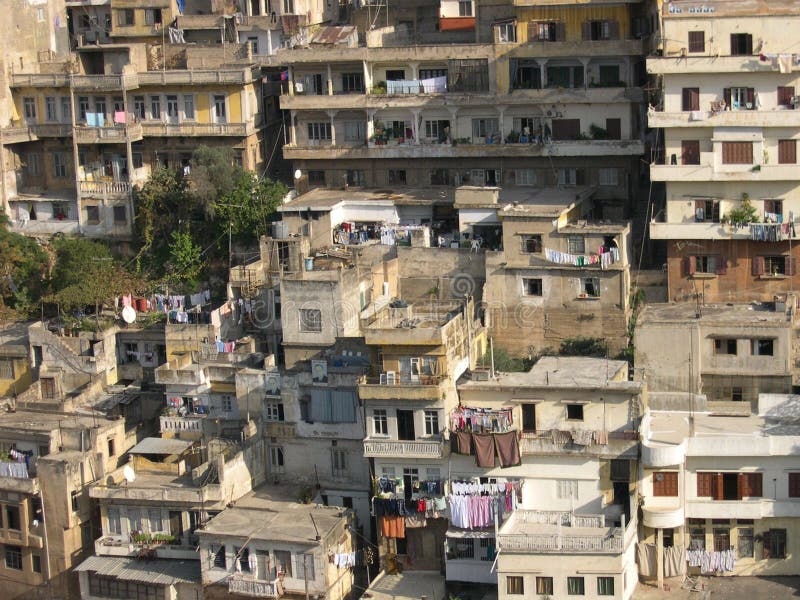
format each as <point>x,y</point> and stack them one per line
<point>18,470</point>
<point>474,505</point>
<point>712,561</point>
<point>393,526</point>
<point>488,446</point>
<point>604,258</point>
<point>480,420</point>
<point>771,232</point>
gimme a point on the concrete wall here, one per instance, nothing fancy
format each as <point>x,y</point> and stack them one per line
<point>451,272</point>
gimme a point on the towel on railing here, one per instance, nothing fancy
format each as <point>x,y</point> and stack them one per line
<point>14,469</point>
<point>484,449</point>
<point>91,119</point>
<point>120,117</point>
<point>507,447</point>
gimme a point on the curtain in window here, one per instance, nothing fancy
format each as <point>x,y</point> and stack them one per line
<point>333,406</point>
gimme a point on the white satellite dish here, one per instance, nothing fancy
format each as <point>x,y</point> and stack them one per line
<point>129,474</point>
<point>298,174</point>
<point>128,314</point>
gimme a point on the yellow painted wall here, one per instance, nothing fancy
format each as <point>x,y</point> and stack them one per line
<point>574,18</point>
<point>203,107</point>
<point>23,377</point>
<point>235,106</point>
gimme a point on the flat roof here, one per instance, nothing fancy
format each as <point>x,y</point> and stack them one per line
<point>540,202</point>
<point>325,199</point>
<point>272,513</point>
<point>159,571</point>
<point>685,313</point>
<point>14,334</point>
<point>408,586</point>
<point>44,422</point>
<point>730,8</point>
<point>154,445</point>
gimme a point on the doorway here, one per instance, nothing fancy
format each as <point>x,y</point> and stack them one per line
<point>405,425</point>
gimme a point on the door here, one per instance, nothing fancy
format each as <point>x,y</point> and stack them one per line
<point>690,152</point>
<point>405,425</point>
<point>176,523</point>
<point>414,369</point>
<point>220,113</point>
<point>529,418</point>
<point>614,129</point>
<point>172,109</point>
<point>566,129</point>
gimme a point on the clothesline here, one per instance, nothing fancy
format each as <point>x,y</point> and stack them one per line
<point>712,561</point>
<point>488,446</point>
<point>605,257</point>
<point>480,420</point>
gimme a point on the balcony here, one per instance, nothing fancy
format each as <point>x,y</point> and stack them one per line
<point>707,171</point>
<point>572,49</point>
<point>181,371</point>
<point>18,135</point>
<point>104,189</point>
<point>20,485</point>
<point>621,444</point>
<point>657,515</point>
<point>376,448</point>
<point>50,80</point>
<point>187,424</point>
<point>731,509</point>
<point>727,118</point>
<point>117,545</point>
<point>532,537</point>
<point>97,83</point>
<point>260,588</point>
<point>161,490</point>
<point>710,64</point>
<point>156,129</point>
<point>427,388</point>
<point>47,228</point>
<point>117,134</point>
<point>29,133</point>
<point>195,77</point>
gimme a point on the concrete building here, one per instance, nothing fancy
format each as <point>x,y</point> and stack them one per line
<point>270,545</point>
<point>498,94</point>
<point>16,374</point>
<point>730,353</point>
<point>713,483</point>
<point>728,134</point>
<point>556,265</point>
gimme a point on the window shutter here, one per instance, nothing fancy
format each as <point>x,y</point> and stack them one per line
<point>742,486</point>
<point>580,177</point>
<point>767,541</point>
<point>751,97</point>
<point>785,95</point>
<point>689,265</point>
<point>533,31</point>
<point>613,30</point>
<point>787,152</point>
<point>719,489</point>
<point>726,95</point>
<point>758,265</point>
<point>791,265</point>
<point>586,30</point>
<point>561,31</point>
<point>722,265</point>
<point>756,490</point>
<point>704,484</point>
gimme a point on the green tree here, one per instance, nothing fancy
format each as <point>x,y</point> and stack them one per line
<point>248,208</point>
<point>23,265</point>
<point>185,261</point>
<point>75,258</point>
<point>214,175</point>
<point>583,346</point>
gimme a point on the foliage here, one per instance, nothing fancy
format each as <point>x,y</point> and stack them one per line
<point>185,260</point>
<point>159,538</point>
<point>583,346</point>
<point>247,207</point>
<point>598,133</point>
<point>75,258</point>
<point>505,363</point>
<point>23,265</point>
<point>742,215</point>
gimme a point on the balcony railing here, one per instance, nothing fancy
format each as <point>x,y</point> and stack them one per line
<point>39,80</point>
<point>563,543</point>
<point>191,423</point>
<point>394,448</point>
<point>195,77</point>
<point>556,517</point>
<point>246,586</point>
<point>105,82</point>
<point>104,189</point>
<point>403,380</point>
<point>196,129</point>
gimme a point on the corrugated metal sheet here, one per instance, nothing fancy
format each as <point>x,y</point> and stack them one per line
<point>154,445</point>
<point>332,34</point>
<point>159,572</point>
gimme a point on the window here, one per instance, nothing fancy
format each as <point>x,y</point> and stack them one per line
<point>156,521</point>
<point>6,369</point>
<point>59,164</point>
<point>83,107</point>
<point>437,129</point>
<point>531,243</point>
<point>111,451</point>
<point>355,131</point>
<point>152,16</point>
<point>397,176</point>
<point>608,176</point>
<point>515,585</point>
<point>787,152</point>
<point>48,387</point>
<point>33,165</point>
<point>227,404</point>
<point>590,287</point>
<point>464,8</point>
<point>125,17</point>
<point>745,544</point>
<point>283,562</point>
<point>439,177</point>
<point>762,347</point>
<point>665,483</point>
<point>352,83</point>
<point>568,176</point>
<point>566,129</point>
<point>705,263</point>
<point>305,566</point>
<point>531,286</point>
<point>741,44</point>
<point>785,95</point>
<point>273,411</point>
<point>605,586</point>
<point>29,109</point>
<point>697,538</point>
<point>139,109</point>
<point>92,214</point>
<point>575,586</point>
<point>74,497</point>
<point>483,128</point>
<point>525,177</point>
<point>737,153</point>
<point>219,556</point>
<point>697,41</point>
<point>339,462</point>
<point>220,109</point>
<point>574,412</point>
<point>288,7</point>
<point>310,319</point>
<point>13,557</point>
<point>66,109</point>
<point>722,539</point>
<point>155,108</point>
<point>544,586</point>
<point>614,129</point>
<point>188,106</point>
<point>37,563</point>
<point>546,31</point>
<point>355,177</point>
<point>120,217</point>
<point>740,98</point>
<point>113,525</point>
<point>576,244</point>
<point>567,488</point>
<point>276,459</point>
<point>12,517</point>
<point>380,424</point>
<point>773,210</point>
<point>774,544</point>
<point>316,177</point>
<point>507,33</point>
<point>794,485</point>
<point>725,346</point>
<point>431,422</point>
<point>50,112</point>
<point>690,99</point>
<point>690,152</point>
<point>773,265</point>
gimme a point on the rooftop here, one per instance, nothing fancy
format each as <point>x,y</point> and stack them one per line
<point>272,513</point>
<point>523,201</point>
<point>324,199</point>
<point>723,314</point>
<point>407,586</point>
<point>159,571</point>
<point>40,422</point>
<point>730,8</point>
<point>156,445</point>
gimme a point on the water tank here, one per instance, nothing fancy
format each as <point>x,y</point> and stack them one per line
<point>280,230</point>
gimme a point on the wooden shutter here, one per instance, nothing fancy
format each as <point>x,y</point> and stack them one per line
<point>790,264</point>
<point>689,268</point>
<point>665,483</point>
<point>533,31</point>
<point>614,129</point>
<point>751,98</point>
<point>767,537</point>
<point>737,153</point>
<point>691,99</point>
<point>785,95</point>
<point>566,129</point>
<point>719,488</point>
<point>755,485</point>
<point>705,486</point>
<point>722,265</point>
<point>741,486</point>
<point>580,176</point>
<point>787,152</point>
<point>697,41</point>
<point>561,31</point>
<point>726,95</point>
<point>758,265</point>
<point>690,152</point>
<point>613,30</point>
<point>586,30</point>
<point>794,485</point>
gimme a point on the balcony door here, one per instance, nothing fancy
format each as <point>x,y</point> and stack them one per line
<point>176,523</point>
<point>220,112</point>
<point>405,425</point>
<point>172,110</point>
<point>529,418</point>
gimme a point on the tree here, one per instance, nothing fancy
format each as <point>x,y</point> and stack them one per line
<point>23,265</point>
<point>583,346</point>
<point>74,259</point>
<point>214,175</point>
<point>185,261</point>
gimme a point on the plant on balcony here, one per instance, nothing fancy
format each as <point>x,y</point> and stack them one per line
<point>379,88</point>
<point>513,137</point>
<point>598,133</point>
<point>743,214</point>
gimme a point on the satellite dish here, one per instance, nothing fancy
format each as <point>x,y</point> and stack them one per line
<point>129,474</point>
<point>128,314</point>
<point>298,174</point>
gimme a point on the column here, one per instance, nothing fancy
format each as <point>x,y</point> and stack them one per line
<point>291,81</point>
<point>585,63</point>
<point>370,123</point>
<point>660,557</point>
<point>330,81</point>
<point>293,125</point>
<point>502,113</point>
<point>129,158</point>
<point>453,110</point>
<point>262,8</point>
<point>414,70</point>
<point>367,76</point>
<point>416,114</point>
<point>331,115</point>
<point>543,72</point>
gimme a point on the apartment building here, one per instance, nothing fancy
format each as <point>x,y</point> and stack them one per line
<point>16,374</point>
<point>500,95</point>
<point>719,485</point>
<point>556,265</point>
<point>727,127</point>
<point>731,354</point>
